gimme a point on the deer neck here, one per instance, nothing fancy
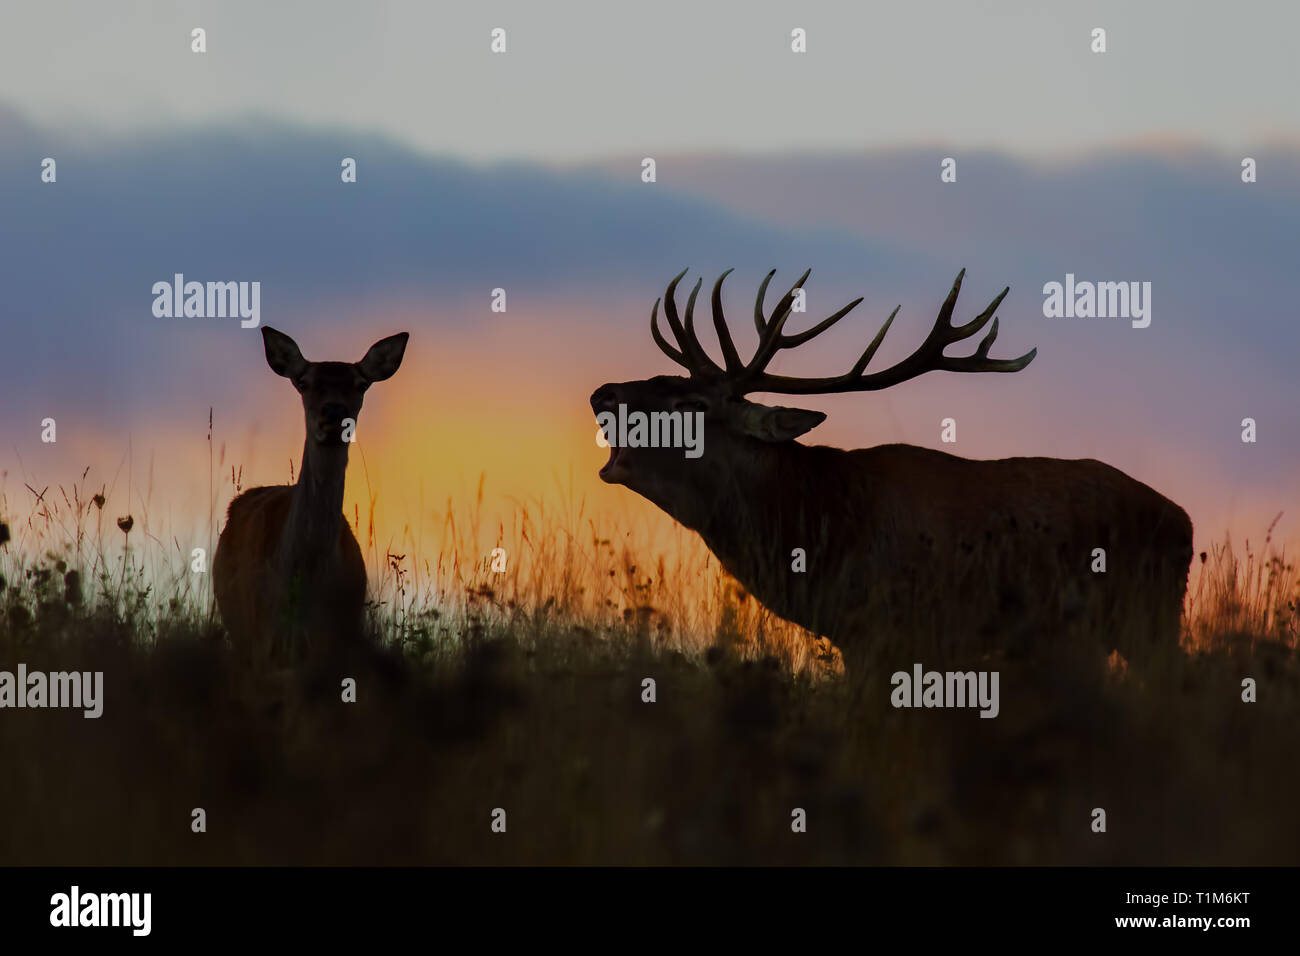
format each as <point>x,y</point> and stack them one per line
<point>768,505</point>
<point>311,531</point>
<point>747,503</point>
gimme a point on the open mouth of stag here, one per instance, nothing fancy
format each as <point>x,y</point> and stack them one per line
<point>615,453</point>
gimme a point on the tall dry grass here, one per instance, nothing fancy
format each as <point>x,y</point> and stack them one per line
<point>1251,596</point>
<point>562,566</point>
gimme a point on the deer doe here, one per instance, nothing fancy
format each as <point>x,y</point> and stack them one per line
<point>288,572</point>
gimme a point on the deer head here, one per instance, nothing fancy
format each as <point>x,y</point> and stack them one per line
<point>741,436</point>
<point>331,391</point>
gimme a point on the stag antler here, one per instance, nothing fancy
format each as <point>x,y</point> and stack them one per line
<point>752,377</point>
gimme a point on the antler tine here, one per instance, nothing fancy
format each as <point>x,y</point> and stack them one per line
<point>786,302</point>
<point>983,350</point>
<point>660,341</point>
<point>760,321</point>
<point>944,319</point>
<point>691,337</point>
<point>980,361</point>
<point>692,341</point>
<point>799,338</point>
<point>977,323</point>
<point>670,309</point>
<point>861,364</point>
<point>770,340</point>
<point>729,354</point>
<point>690,313</point>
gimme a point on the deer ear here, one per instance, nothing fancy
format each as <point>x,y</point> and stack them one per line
<point>282,354</point>
<point>383,358</point>
<point>769,423</point>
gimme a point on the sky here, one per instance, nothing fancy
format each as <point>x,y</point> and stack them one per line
<point>583,79</point>
<point>523,171</point>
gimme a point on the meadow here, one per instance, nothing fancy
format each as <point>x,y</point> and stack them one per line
<point>522,690</point>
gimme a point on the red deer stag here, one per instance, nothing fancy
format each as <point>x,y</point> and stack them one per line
<point>898,539</point>
<point>288,572</point>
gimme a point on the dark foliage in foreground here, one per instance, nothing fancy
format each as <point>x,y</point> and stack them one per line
<point>545,720</point>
